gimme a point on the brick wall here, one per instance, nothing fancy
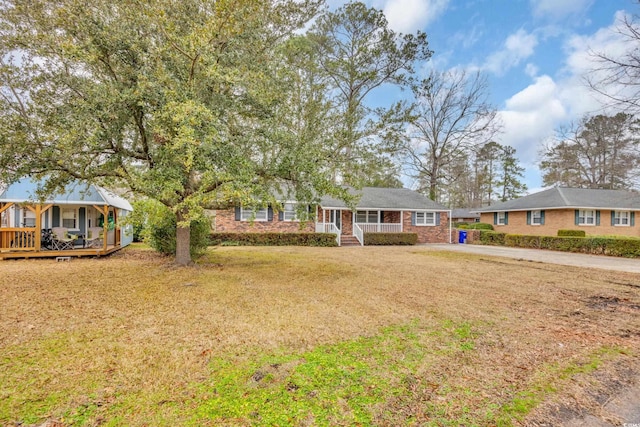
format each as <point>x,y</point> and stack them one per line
<point>428,234</point>
<point>225,222</point>
<point>561,219</point>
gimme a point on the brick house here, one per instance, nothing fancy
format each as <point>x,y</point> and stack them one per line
<point>378,210</point>
<point>596,211</point>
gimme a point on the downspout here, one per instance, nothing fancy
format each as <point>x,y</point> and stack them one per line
<point>450,228</point>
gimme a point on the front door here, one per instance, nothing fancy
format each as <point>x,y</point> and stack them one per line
<point>335,217</point>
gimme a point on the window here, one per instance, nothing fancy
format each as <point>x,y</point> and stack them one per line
<point>621,218</point>
<point>536,217</point>
<point>370,217</point>
<point>425,218</point>
<point>261,214</point>
<point>28,218</point>
<point>587,217</point>
<point>69,217</point>
<point>502,218</point>
<point>289,212</point>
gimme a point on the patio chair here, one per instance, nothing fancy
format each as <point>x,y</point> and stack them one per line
<point>94,237</point>
<point>62,240</point>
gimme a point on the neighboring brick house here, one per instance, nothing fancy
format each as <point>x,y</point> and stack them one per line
<point>395,210</point>
<point>597,212</point>
<point>464,215</point>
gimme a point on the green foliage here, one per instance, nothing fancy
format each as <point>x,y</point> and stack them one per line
<point>571,233</point>
<point>156,225</point>
<point>629,248</point>
<point>390,238</point>
<point>357,53</point>
<point>182,102</point>
<point>491,238</point>
<point>479,226</point>
<point>273,239</point>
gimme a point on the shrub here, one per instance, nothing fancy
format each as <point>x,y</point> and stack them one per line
<point>156,225</point>
<point>390,238</point>
<point>614,246</point>
<point>479,226</point>
<point>273,239</point>
<point>571,233</point>
<point>491,237</point>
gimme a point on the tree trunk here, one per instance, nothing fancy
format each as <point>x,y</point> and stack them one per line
<point>183,242</point>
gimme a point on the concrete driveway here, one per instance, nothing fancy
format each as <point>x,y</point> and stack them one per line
<point>551,257</point>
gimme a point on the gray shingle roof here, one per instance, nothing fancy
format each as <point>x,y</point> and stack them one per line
<point>386,199</point>
<point>464,213</point>
<point>563,197</point>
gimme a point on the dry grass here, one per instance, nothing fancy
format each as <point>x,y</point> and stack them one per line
<point>132,340</point>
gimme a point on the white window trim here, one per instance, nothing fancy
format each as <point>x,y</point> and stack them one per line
<point>292,213</point>
<point>257,215</point>
<point>582,217</point>
<point>28,214</point>
<point>425,222</point>
<point>502,218</point>
<point>378,219</point>
<point>534,217</point>
<point>76,213</point>
<point>617,218</point>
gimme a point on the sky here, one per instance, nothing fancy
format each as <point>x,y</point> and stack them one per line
<point>535,54</point>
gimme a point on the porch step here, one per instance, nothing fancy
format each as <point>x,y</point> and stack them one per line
<point>346,240</point>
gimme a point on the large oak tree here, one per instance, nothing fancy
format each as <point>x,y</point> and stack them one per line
<point>179,101</point>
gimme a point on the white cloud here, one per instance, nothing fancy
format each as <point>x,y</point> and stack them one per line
<point>407,16</point>
<point>558,9</point>
<point>531,116</point>
<point>517,47</point>
<point>531,70</point>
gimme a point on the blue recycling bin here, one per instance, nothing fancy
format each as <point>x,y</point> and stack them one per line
<point>462,236</point>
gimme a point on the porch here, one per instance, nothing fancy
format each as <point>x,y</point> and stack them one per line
<point>344,222</point>
<point>34,239</point>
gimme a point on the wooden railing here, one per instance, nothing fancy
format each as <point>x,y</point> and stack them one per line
<point>18,238</point>
<point>380,227</point>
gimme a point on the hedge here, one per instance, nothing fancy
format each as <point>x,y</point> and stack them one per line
<point>613,246</point>
<point>491,238</point>
<point>273,239</point>
<point>390,238</point>
<point>571,233</point>
<point>478,226</point>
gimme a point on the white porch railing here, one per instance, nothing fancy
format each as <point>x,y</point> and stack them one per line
<point>380,228</point>
<point>357,231</point>
<point>328,227</point>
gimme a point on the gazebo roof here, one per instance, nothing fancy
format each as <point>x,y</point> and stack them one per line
<point>76,193</point>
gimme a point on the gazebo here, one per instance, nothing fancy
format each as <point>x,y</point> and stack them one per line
<point>82,220</point>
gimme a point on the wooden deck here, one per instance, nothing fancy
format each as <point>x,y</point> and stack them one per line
<point>78,252</point>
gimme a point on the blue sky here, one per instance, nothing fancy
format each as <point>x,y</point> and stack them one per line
<point>535,54</point>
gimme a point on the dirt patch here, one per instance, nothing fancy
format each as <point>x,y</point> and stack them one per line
<point>606,397</point>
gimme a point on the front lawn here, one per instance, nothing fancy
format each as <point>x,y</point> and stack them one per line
<point>311,336</point>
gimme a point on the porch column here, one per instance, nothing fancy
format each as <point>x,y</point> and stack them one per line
<point>104,210</point>
<point>401,221</point>
<point>38,210</point>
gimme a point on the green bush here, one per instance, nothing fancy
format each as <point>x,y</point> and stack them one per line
<point>390,238</point>
<point>571,233</point>
<point>491,238</point>
<point>156,225</point>
<point>273,239</point>
<point>479,226</point>
<point>614,246</point>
